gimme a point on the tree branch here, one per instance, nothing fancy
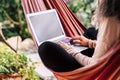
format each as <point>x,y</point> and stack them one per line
<point>17,23</point>
<point>4,40</point>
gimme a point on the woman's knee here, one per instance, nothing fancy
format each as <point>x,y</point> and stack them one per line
<point>44,46</point>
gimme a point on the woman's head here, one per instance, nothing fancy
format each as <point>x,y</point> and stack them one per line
<point>109,8</point>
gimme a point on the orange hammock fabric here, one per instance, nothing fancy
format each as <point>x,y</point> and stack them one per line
<point>108,67</point>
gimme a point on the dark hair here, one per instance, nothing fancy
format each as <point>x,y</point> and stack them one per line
<point>110,8</point>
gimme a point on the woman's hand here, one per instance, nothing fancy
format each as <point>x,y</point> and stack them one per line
<point>80,40</point>
<point>68,48</point>
<point>63,45</point>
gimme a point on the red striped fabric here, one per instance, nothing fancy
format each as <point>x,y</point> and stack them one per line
<point>71,24</point>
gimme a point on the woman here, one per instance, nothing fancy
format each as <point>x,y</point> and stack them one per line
<point>61,57</point>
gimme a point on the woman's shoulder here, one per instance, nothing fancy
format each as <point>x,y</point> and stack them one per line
<point>113,20</point>
<point>110,23</point>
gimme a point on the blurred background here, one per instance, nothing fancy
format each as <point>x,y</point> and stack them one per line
<point>13,23</point>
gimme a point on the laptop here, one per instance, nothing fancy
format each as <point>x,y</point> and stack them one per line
<point>46,26</point>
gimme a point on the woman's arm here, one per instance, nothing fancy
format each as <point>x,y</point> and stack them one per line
<point>108,35</point>
<point>82,59</point>
<point>91,43</point>
<point>83,41</point>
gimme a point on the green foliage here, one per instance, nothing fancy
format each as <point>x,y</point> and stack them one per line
<point>11,11</point>
<point>12,63</point>
<point>84,10</point>
<point>8,32</point>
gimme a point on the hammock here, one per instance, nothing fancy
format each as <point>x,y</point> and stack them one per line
<point>108,68</point>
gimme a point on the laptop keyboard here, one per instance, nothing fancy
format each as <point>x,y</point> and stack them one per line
<point>77,48</point>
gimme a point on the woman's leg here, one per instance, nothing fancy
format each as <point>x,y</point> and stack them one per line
<point>56,58</point>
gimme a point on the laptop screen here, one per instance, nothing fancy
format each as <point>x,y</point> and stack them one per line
<point>45,25</point>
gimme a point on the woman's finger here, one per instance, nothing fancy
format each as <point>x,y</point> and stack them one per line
<point>63,45</point>
<point>77,42</point>
<point>76,38</point>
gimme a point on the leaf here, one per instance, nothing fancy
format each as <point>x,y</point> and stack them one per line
<point>4,70</point>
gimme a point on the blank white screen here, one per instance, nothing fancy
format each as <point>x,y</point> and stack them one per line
<point>46,26</point>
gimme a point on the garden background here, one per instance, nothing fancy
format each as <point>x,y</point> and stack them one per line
<point>13,23</point>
